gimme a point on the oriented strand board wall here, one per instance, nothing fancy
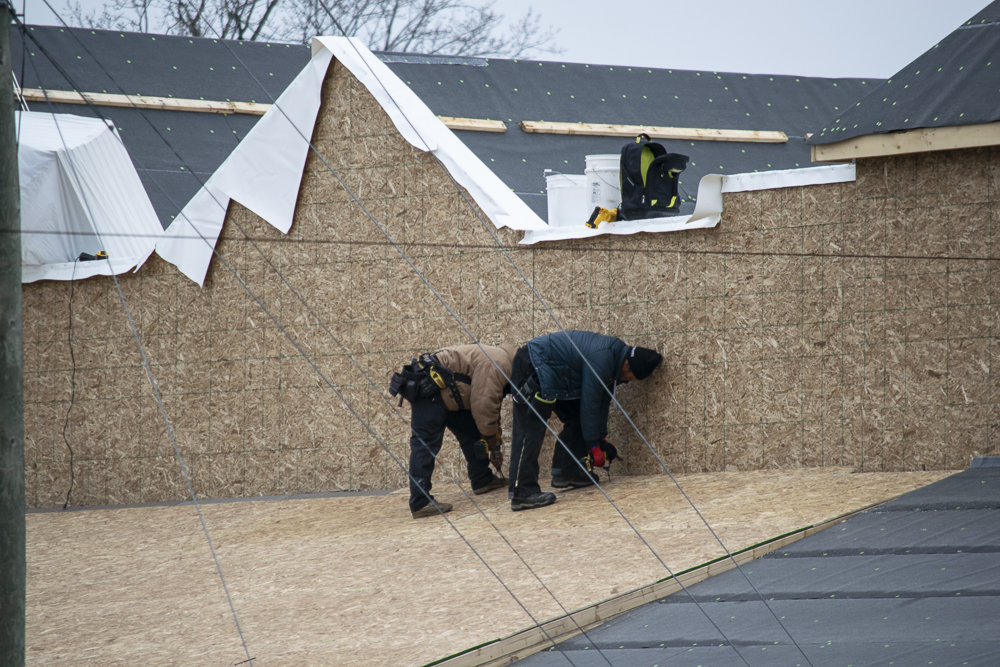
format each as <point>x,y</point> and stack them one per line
<point>848,324</point>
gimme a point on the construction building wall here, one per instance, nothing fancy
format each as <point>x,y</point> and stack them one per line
<point>839,325</point>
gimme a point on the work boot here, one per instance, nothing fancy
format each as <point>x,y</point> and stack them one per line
<point>531,502</point>
<point>430,510</point>
<point>577,481</point>
<point>495,483</point>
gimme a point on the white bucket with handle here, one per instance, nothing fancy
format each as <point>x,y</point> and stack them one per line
<point>567,199</point>
<point>603,181</point>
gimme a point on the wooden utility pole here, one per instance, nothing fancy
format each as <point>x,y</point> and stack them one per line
<point>12,542</point>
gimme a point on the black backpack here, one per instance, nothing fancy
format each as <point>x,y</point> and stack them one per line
<point>649,180</point>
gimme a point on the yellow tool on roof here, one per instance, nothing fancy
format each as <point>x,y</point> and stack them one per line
<point>600,215</point>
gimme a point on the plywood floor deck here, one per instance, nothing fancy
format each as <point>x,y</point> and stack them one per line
<point>356,581</point>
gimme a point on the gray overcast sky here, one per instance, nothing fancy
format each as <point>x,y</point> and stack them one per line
<point>861,38</point>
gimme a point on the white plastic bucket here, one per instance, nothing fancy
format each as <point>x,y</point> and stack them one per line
<point>603,184</point>
<point>567,199</point>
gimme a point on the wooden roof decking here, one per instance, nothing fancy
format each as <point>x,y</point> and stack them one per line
<point>356,581</point>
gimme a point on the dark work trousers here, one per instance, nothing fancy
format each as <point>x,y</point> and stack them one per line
<point>563,462</point>
<point>428,419</point>
<point>529,432</point>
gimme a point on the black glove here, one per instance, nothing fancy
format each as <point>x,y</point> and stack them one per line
<point>610,451</point>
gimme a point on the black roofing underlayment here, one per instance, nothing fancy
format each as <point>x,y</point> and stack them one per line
<point>516,90</point>
<point>195,144</point>
<point>913,582</point>
<point>954,83</point>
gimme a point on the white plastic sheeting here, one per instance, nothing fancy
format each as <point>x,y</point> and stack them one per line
<point>263,174</point>
<point>79,193</point>
<point>265,170</point>
<point>708,209</point>
<point>421,128</point>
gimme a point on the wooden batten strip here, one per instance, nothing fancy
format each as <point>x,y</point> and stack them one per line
<point>523,644</point>
<point>679,133</point>
<point>923,140</point>
<point>474,124</point>
<point>211,106</point>
<point>144,102</point>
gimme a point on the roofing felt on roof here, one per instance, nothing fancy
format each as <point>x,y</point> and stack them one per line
<point>953,83</point>
<point>915,578</point>
<point>175,152</point>
<point>516,90</point>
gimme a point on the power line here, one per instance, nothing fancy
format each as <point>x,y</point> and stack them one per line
<point>538,296</point>
<point>548,247</point>
<point>580,352</point>
<point>152,379</point>
<point>383,444</point>
<point>469,333</point>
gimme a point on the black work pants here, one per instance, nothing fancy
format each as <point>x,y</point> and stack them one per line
<point>565,463</point>
<point>530,427</point>
<point>428,419</point>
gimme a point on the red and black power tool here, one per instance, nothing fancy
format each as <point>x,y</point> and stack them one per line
<point>600,456</point>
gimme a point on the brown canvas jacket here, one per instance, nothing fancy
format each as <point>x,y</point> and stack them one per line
<point>485,394</point>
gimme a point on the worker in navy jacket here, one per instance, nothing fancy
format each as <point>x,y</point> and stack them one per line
<point>552,376</point>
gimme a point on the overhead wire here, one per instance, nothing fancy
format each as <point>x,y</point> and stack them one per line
<point>583,357</point>
<point>458,319</point>
<point>556,247</point>
<point>148,368</point>
<point>72,384</point>
<point>476,341</point>
<point>558,324</point>
<point>535,621</point>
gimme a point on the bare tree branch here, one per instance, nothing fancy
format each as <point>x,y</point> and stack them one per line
<point>447,27</point>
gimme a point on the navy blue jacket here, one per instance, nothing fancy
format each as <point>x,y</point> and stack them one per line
<point>564,376</point>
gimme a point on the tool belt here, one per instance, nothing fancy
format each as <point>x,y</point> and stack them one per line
<point>425,376</point>
<point>530,389</point>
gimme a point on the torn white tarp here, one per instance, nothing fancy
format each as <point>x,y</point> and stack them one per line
<point>263,174</point>
<point>708,209</point>
<point>421,128</point>
<point>79,194</point>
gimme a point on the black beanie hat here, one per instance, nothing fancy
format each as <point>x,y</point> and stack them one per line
<point>642,361</point>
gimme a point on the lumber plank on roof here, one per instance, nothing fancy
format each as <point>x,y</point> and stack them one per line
<point>211,106</point>
<point>144,102</point>
<point>474,124</point>
<point>681,133</point>
<point>923,140</point>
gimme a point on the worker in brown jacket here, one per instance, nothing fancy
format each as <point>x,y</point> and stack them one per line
<point>471,389</point>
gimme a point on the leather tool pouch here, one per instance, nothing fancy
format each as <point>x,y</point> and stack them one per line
<point>412,383</point>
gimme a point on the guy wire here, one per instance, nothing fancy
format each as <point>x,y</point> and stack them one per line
<point>583,358</point>
<point>149,370</point>
<point>364,423</point>
<point>461,323</point>
<point>552,246</point>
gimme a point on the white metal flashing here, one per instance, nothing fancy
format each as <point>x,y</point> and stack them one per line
<point>263,174</point>
<point>425,131</point>
<point>708,210</point>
